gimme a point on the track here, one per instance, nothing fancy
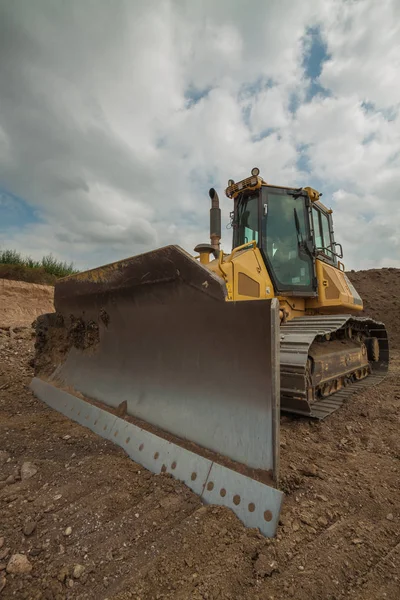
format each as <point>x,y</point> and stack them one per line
<point>297,337</point>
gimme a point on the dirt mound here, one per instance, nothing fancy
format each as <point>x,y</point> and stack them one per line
<point>380,291</point>
<point>21,303</point>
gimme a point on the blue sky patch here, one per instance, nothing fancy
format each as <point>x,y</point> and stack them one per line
<point>256,87</point>
<point>368,107</point>
<point>15,212</point>
<point>303,159</point>
<point>390,113</point>
<point>246,114</point>
<point>369,138</point>
<point>304,165</point>
<point>315,54</point>
<point>294,102</point>
<point>315,89</point>
<point>194,95</point>
<point>257,137</point>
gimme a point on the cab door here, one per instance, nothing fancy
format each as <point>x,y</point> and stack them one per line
<point>323,234</point>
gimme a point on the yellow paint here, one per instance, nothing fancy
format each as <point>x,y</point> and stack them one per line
<point>312,194</point>
<point>292,307</point>
<point>250,263</point>
<point>334,295</point>
<point>204,258</point>
<point>250,183</point>
<point>247,260</point>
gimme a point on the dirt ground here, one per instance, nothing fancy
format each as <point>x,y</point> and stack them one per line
<point>21,302</point>
<point>380,291</point>
<point>88,523</point>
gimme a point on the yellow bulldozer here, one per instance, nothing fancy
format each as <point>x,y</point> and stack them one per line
<point>284,247</point>
<point>186,361</point>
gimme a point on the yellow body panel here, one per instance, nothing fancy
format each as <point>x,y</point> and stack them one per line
<point>246,278</point>
<point>292,306</point>
<point>334,292</point>
<point>245,274</point>
<point>250,276</point>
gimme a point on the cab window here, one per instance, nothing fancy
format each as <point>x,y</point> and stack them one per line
<point>283,224</point>
<point>247,221</point>
<point>323,242</point>
<point>317,229</point>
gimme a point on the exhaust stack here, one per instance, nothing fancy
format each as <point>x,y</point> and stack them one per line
<point>215,221</point>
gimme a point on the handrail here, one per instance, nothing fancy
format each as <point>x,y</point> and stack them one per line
<point>242,247</point>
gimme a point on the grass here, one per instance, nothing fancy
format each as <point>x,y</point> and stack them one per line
<point>13,265</point>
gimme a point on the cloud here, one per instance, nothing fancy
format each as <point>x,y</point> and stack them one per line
<point>363,39</point>
<point>115,119</point>
<point>370,236</point>
<point>355,153</point>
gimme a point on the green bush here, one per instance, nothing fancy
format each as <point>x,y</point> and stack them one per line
<point>48,264</point>
<point>10,257</point>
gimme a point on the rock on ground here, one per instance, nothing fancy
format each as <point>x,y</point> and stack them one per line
<point>28,470</point>
<point>18,564</point>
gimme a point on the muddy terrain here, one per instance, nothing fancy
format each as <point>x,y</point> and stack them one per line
<point>80,520</point>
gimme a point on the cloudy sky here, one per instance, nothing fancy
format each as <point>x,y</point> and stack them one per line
<point>117,117</point>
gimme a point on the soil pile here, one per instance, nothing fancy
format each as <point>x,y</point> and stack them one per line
<point>21,303</point>
<point>380,291</point>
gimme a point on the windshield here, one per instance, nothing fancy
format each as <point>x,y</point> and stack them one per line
<point>283,233</point>
<point>284,230</point>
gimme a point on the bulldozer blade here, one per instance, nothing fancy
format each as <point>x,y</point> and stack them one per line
<point>197,377</point>
<point>256,504</point>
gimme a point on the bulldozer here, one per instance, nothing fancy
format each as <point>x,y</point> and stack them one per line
<point>284,247</point>
<point>186,361</point>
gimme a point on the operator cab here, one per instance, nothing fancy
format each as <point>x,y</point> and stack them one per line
<point>291,229</point>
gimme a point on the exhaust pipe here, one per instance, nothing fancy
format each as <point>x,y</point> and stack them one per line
<point>215,221</point>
